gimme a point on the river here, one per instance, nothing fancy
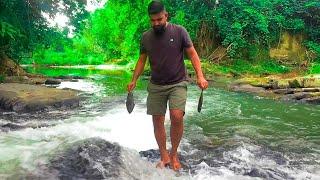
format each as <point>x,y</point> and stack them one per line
<point>236,135</point>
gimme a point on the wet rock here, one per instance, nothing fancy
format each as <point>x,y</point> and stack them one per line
<point>52,81</point>
<point>312,100</point>
<point>246,88</point>
<point>296,96</point>
<point>217,157</point>
<point>25,97</point>
<point>153,155</point>
<point>299,89</point>
<point>10,126</point>
<point>93,158</point>
<point>257,173</point>
<point>266,174</point>
<point>284,91</point>
<point>310,89</point>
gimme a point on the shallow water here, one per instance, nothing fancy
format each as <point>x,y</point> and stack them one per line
<point>236,135</point>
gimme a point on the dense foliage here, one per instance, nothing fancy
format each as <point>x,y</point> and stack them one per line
<point>24,28</point>
<point>118,27</point>
<point>247,28</point>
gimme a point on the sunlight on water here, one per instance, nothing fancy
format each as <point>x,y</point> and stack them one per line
<point>81,85</point>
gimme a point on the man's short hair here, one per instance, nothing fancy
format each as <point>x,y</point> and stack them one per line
<point>155,7</point>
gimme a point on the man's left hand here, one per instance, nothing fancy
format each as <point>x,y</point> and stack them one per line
<point>202,83</point>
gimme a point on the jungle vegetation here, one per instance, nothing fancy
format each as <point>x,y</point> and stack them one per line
<point>233,35</point>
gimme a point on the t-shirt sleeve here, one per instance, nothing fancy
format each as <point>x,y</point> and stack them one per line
<point>143,49</point>
<point>186,40</point>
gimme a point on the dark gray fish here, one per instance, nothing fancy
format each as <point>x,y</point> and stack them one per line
<point>200,101</point>
<point>130,102</point>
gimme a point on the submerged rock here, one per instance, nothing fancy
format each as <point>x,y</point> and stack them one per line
<point>92,158</point>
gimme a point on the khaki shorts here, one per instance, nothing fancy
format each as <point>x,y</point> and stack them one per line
<point>160,95</point>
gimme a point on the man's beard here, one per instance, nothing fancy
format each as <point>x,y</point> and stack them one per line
<point>159,29</point>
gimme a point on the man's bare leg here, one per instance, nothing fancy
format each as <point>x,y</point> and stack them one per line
<point>176,131</point>
<point>160,134</point>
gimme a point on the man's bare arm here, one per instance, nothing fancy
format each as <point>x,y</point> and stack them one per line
<point>195,60</point>
<point>137,71</point>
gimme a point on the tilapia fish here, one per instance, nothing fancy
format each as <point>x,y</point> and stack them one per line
<point>200,101</point>
<point>130,102</point>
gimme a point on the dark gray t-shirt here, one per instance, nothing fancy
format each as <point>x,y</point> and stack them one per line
<point>166,54</point>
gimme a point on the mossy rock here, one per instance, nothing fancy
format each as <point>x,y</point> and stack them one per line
<point>311,82</point>
<point>295,84</point>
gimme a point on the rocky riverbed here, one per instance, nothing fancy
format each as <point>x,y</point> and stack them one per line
<point>298,89</point>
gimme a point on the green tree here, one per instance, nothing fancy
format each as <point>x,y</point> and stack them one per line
<point>118,27</point>
<point>24,18</point>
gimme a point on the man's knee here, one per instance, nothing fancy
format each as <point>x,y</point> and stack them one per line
<point>158,121</point>
<point>176,116</point>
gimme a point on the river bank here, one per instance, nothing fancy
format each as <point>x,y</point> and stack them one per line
<point>291,86</point>
<point>302,89</point>
<point>37,92</point>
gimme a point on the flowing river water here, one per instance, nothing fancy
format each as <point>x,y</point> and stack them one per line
<point>236,135</point>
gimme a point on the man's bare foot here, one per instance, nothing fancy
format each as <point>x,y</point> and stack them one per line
<point>174,162</point>
<point>162,164</point>
<point>165,161</point>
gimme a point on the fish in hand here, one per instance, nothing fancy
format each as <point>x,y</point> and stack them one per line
<point>200,101</point>
<point>130,102</point>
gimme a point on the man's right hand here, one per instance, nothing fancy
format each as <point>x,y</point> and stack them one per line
<point>131,86</point>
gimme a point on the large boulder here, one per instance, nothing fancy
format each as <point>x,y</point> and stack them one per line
<point>52,81</point>
<point>92,158</point>
<point>25,97</point>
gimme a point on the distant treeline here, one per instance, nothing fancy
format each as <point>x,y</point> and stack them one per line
<point>245,28</point>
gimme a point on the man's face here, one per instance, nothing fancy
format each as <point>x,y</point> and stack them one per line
<point>158,22</point>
